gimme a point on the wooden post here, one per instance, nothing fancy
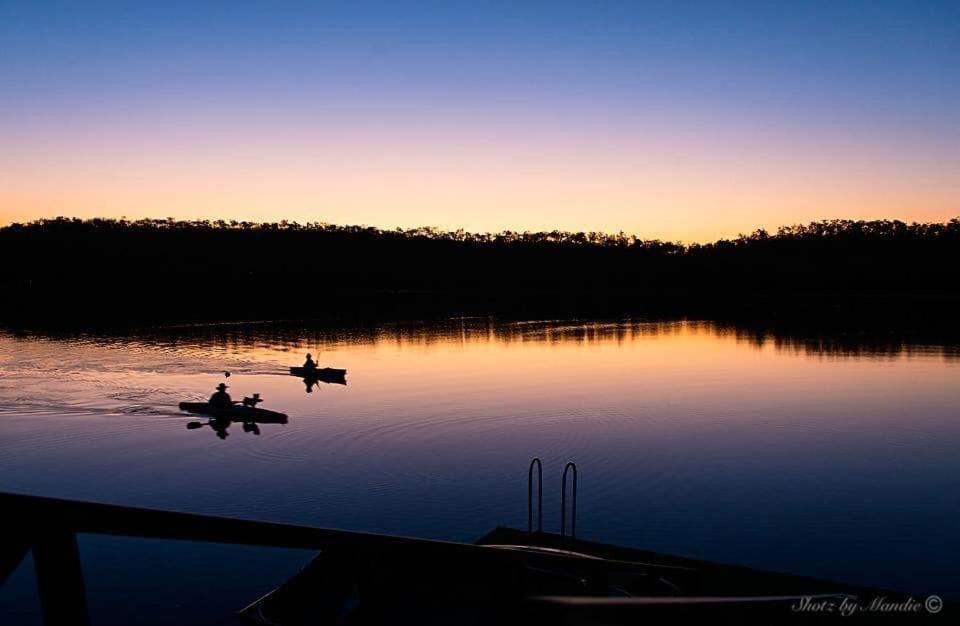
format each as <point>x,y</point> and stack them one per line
<point>56,559</point>
<point>12,551</point>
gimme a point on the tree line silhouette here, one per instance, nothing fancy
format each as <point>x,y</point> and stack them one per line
<point>67,270</point>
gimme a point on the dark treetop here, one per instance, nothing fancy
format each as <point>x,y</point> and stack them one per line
<point>64,271</point>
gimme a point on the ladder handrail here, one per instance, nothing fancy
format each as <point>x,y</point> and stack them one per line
<point>539,465</point>
<point>563,502</point>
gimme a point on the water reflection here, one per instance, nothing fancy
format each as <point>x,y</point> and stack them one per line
<point>856,340</point>
<point>788,446</point>
<point>220,425</point>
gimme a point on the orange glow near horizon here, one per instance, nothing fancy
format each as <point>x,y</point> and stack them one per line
<point>652,184</point>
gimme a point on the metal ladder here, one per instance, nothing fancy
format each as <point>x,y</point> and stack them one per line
<point>536,463</point>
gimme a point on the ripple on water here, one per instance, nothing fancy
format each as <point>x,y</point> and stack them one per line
<point>446,451</point>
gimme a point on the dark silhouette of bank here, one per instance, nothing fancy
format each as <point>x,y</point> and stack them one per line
<point>73,272</point>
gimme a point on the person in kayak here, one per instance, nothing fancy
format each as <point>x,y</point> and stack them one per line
<point>221,399</point>
<point>309,364</point>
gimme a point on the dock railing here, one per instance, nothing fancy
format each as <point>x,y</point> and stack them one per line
<point>48,527</point>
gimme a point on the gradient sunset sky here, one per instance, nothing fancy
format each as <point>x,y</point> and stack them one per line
<point>677,120</point>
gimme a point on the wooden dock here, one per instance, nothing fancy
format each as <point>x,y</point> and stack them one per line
<point>507,577</point>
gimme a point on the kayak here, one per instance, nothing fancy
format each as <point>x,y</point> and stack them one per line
<point>236,413</point>
<point>318,373</point>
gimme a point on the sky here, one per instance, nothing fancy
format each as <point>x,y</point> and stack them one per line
<point>677,120</point>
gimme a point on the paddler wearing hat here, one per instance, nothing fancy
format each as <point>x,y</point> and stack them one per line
<point>221,399</point>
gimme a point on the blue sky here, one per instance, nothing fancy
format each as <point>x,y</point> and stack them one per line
<point>474,82</point>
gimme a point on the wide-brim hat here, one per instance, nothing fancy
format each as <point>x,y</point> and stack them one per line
<point>221,386</point>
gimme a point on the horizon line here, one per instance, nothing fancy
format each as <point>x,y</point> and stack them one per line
<point>437,230</point>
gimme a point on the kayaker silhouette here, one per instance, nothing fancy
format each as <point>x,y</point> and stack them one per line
<point>221,399</point>
<point>309,364</point>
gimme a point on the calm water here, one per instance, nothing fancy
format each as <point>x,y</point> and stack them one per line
<point>820,457</point>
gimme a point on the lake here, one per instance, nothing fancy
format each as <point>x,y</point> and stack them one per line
<point>834,457</point>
